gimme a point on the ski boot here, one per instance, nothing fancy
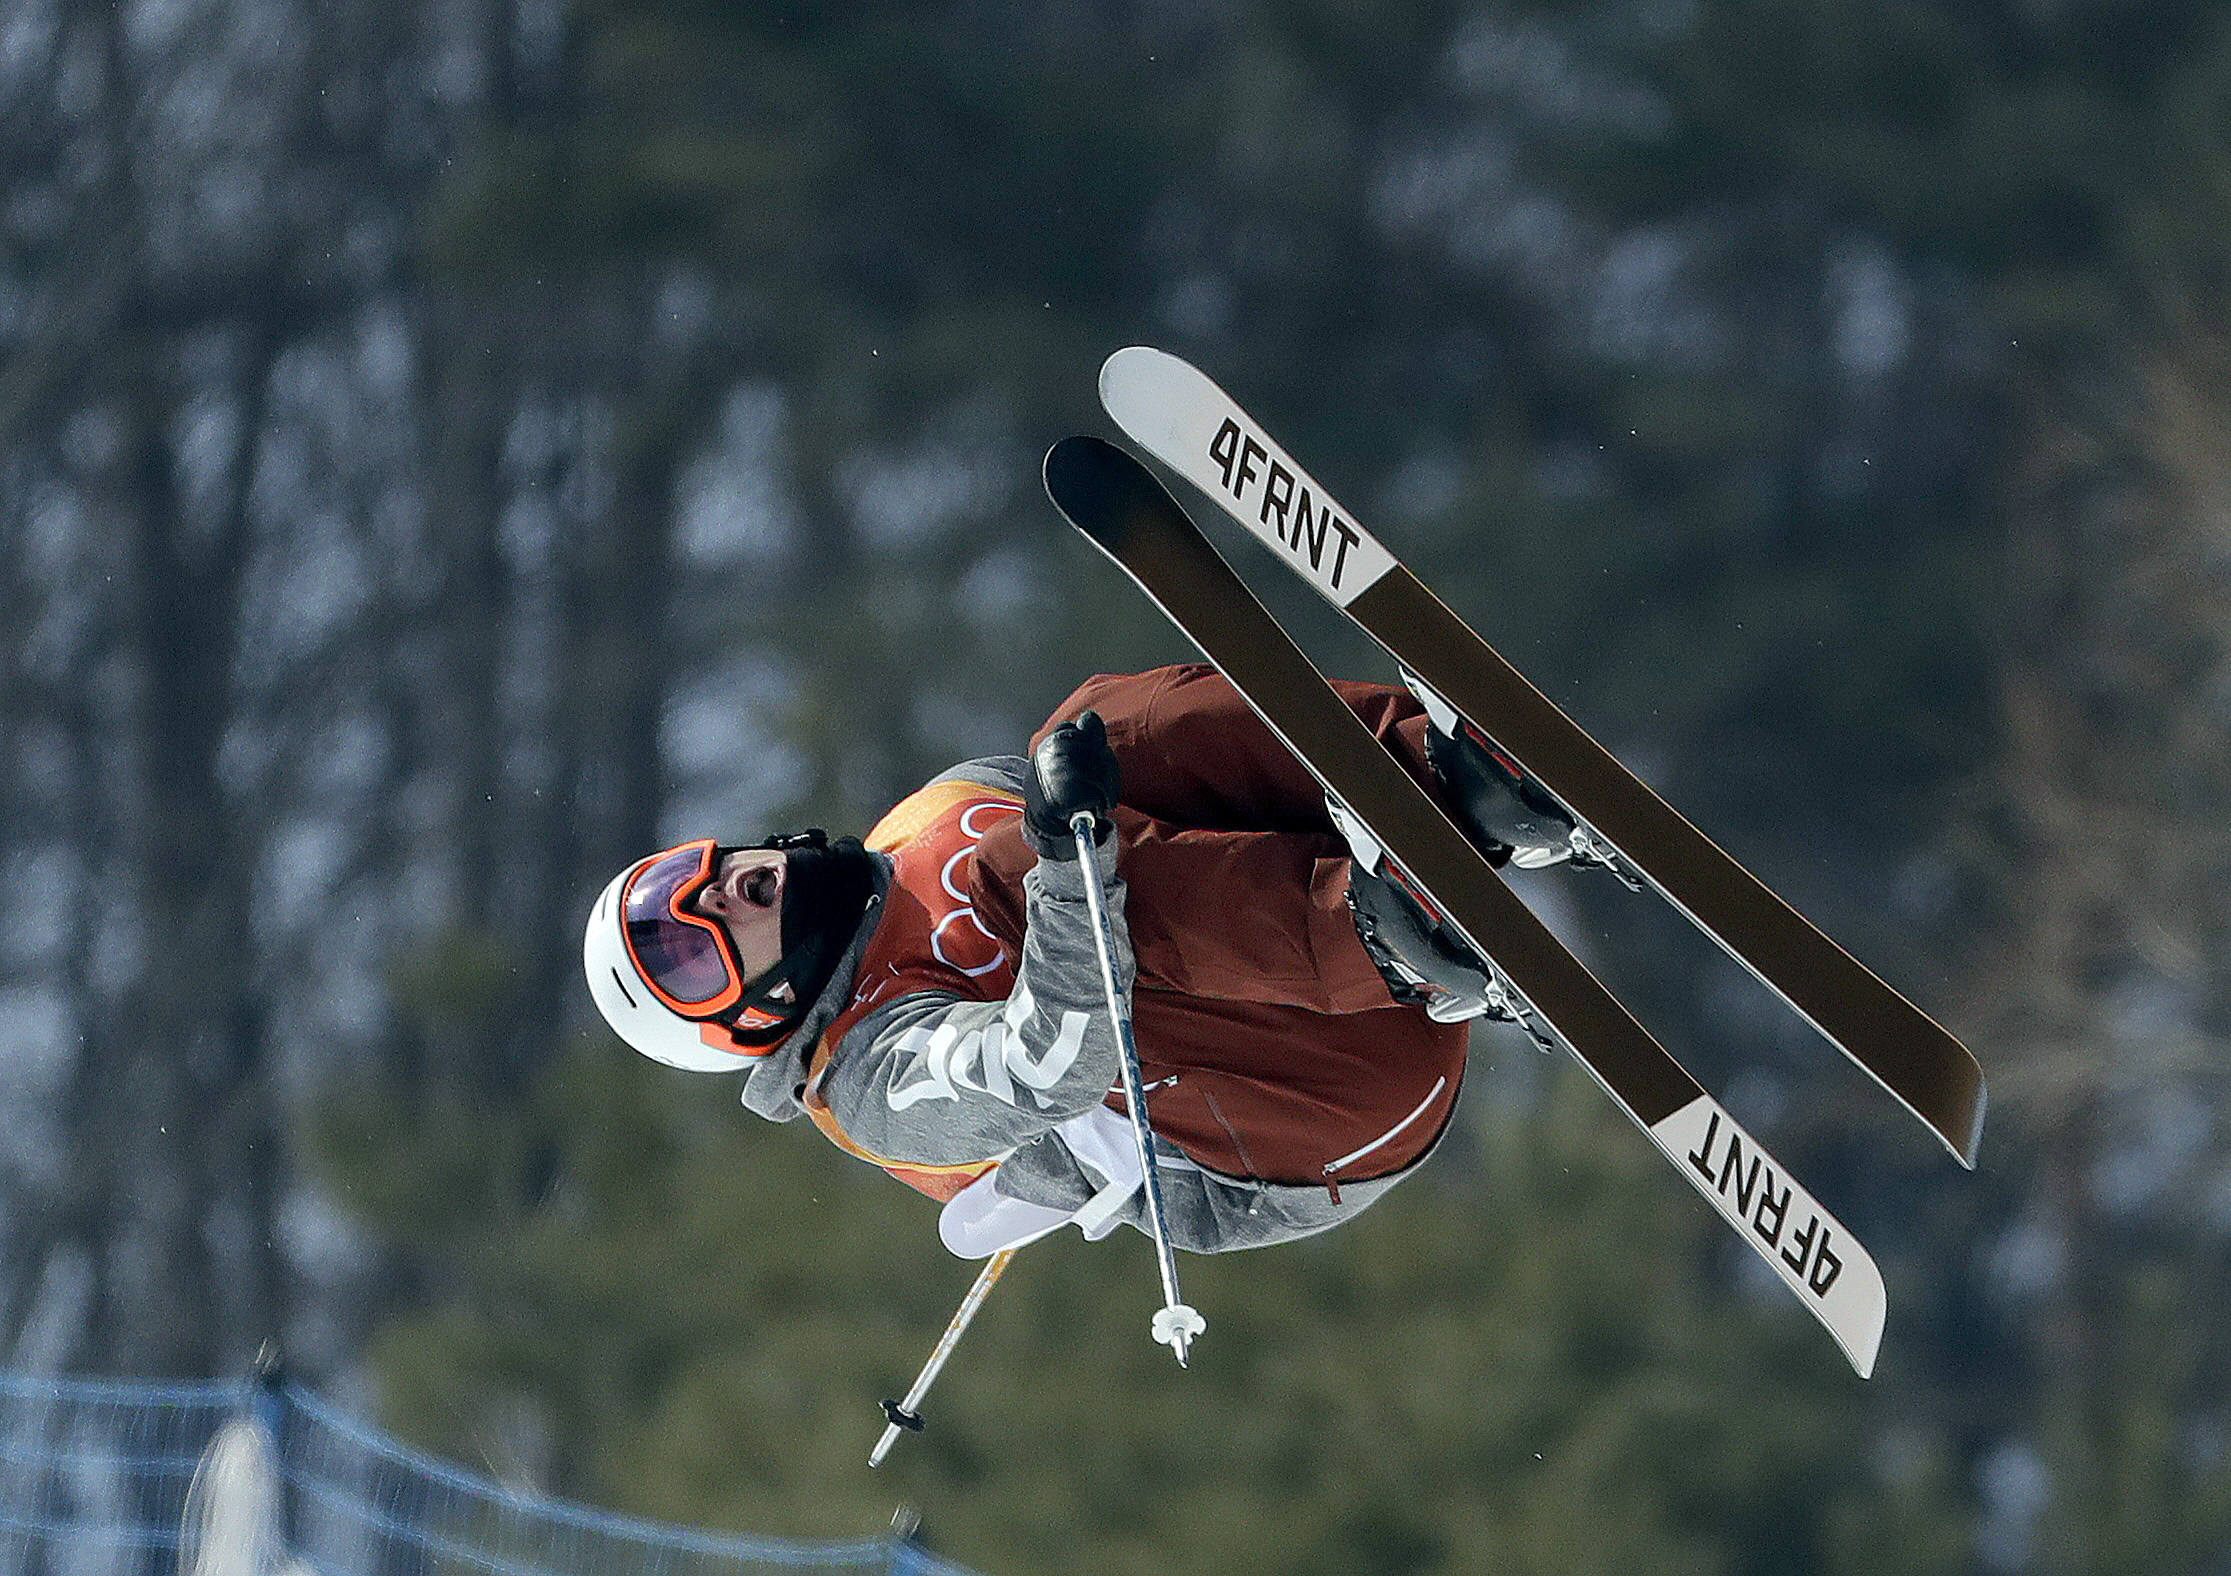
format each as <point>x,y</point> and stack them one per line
<point>1511,817</point>
<point>1422,964</point>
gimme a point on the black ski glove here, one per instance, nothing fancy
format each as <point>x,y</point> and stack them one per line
<point>1072,770</point>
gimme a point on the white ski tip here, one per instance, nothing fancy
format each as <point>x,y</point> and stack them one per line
<point>1179,416</point>
<point>1831,1273</point>
<point>1137,372</point>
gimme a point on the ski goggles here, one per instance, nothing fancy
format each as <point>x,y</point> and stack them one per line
<point>683,956</point>
<point>686,959</point>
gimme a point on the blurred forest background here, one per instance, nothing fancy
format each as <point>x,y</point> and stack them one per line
<point>452,446</point>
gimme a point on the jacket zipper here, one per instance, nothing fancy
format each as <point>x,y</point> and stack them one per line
<point>1333,1167</point>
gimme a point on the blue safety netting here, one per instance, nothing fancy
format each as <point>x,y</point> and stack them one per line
<point>266,1478</point>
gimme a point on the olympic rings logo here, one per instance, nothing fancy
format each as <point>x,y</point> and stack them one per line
<point>968,964</point>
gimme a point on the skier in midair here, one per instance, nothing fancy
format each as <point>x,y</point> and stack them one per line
<point>930,998</point>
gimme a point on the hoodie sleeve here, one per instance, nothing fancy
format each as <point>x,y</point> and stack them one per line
<point>935,1080</point>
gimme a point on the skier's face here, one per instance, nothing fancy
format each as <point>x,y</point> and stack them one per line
<point>745,895</point>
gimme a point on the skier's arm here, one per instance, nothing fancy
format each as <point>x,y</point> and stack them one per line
<point>931,1080</point>
<point>935,1081</point>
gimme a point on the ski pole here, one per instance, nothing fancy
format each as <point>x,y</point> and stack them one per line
<point>902,1414</point>
<point>1176,1324</point>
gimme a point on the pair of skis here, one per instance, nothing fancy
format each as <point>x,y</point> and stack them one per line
<point>1184,420</point>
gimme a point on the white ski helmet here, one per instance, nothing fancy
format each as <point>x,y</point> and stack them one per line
<point>666,977</point>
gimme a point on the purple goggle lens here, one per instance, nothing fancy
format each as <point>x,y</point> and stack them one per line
<point>683,956</point>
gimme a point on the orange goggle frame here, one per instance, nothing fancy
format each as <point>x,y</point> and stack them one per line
<point>685,958</point>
